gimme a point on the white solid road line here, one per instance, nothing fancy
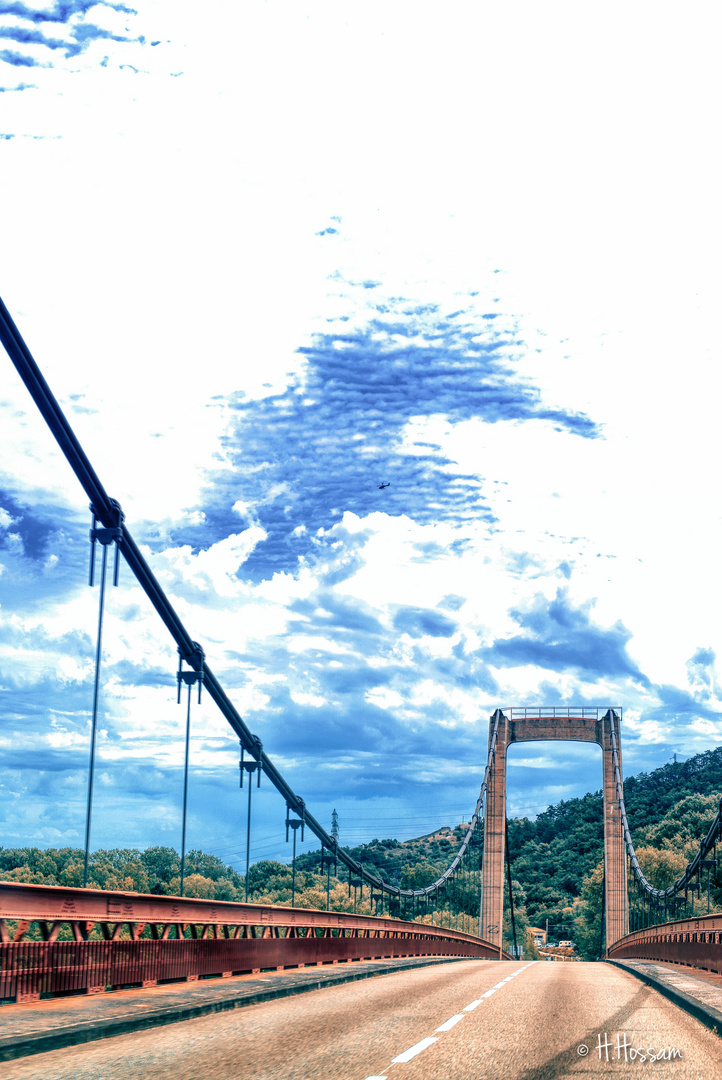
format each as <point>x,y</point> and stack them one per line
<point>450,1023</point>
<point>414,1050</point>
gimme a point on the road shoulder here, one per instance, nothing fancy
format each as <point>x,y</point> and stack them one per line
<point>686,987</point>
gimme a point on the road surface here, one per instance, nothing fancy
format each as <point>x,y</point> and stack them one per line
<point>471,1021</point>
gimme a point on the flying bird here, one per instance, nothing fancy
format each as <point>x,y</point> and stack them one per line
<point>382,486</point>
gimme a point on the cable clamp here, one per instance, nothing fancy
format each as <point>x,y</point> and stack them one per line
<point>195,674</point>
<point>252,764</point>
<point>105,536</point>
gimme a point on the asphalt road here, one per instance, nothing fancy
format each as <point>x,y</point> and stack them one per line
<point>472,1021</point>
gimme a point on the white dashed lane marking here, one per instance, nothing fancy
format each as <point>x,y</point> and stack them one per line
<point>450,1023</point>
<point>414,1050</point>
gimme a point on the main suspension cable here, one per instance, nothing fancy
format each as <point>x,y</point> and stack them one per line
<point>108,512</point>
<point>692,869</point>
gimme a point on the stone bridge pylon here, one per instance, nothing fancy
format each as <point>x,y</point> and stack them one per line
<point>570,725</point>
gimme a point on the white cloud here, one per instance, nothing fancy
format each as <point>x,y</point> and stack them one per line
<point>384,698</point>
<point>707,727</point>
<point>307,699</point>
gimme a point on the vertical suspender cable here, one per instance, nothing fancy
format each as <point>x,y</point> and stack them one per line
<point>94,721</point>
<point>185,793</point>
<point>511,894</point>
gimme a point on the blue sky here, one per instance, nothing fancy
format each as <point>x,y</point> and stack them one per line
<point>272,256</point>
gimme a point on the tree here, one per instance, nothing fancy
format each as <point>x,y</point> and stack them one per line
<point>197,886</point>
<point>210,866</point>
<point>161,865</point>
<point>587,914</point>
<point>661,867</point>
<point>530,950</point>
<point>267,878</point>
<point>689,819</point>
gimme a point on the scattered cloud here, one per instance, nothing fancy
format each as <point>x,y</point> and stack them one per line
<point>345,427</point>
<point>60,11</point>
<point>52,35</point>
<point>559,637</point>
<point>16,59</point>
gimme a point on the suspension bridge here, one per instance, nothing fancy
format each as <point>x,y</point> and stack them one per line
<point>90,941</point>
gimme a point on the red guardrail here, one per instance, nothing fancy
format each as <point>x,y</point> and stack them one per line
<point>188,939</point>
<point>694,942</point>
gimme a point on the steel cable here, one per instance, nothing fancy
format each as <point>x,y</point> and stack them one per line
<point>692,868</point>
<point>108,512</point>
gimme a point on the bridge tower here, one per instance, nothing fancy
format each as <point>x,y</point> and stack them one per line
<point>570,725</point>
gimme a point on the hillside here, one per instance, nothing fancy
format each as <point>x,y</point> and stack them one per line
<point>410,865</point>
<point>552,855</point>
<point>556,859</point>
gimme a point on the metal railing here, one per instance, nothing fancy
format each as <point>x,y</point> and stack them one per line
<point>146,939</point>
<point>693,942</point>
<point>557,712</point>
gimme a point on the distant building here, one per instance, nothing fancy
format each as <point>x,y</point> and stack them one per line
<point>539,936</point>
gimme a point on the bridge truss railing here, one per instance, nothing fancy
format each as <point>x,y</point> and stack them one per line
<point>455,893</point>
<point>129,939</point>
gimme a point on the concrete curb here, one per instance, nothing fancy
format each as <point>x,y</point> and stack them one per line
<point>711,1018</point>
<point>89,1030</point>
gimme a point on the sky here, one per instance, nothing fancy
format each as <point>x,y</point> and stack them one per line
<point>272,256</point>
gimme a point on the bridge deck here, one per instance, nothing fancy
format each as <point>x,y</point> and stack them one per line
<point>510,1020</point>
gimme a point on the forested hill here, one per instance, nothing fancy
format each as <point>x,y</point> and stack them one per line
<point>410,865</point>
<point>649,796</point>
<point>552,855</point>
<point>669,810</point>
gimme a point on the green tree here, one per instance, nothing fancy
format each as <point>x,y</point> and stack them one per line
<point>661,866</point>
<point>161,864</point>
<point>196,885</point>
<point>587,914</point>
<point>688,820</point>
